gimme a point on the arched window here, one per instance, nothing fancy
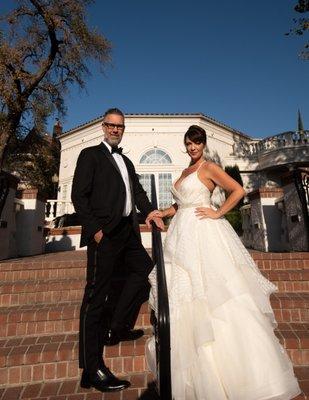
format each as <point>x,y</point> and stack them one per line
<point>155,156</point>
<point>163,178</point>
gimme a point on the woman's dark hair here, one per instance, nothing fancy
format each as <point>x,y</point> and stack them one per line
<point>196,134</point>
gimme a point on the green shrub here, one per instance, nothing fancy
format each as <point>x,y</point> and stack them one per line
<point>234,218</point>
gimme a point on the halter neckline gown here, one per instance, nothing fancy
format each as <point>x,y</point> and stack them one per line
<point>222,342</point>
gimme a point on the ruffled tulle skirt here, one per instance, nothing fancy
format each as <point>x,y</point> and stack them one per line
<point>222,342</point>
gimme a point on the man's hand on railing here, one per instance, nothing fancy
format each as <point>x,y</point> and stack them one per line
<point>152,216</point>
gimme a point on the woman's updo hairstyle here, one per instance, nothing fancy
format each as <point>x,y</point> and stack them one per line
<point>196,134</point>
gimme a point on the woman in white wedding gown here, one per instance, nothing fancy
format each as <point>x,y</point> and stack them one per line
<point>222,342</point>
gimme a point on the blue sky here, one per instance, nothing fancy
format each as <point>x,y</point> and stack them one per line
<point>227,59</point>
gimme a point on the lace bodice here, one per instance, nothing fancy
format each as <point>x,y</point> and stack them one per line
<point>191,192</point>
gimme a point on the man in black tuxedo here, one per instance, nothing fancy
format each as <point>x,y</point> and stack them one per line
<point>105,192</point>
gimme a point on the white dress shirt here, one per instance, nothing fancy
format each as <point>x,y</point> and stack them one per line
<point>125,176</point>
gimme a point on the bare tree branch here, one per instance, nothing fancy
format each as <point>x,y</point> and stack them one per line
<point>45,48</point>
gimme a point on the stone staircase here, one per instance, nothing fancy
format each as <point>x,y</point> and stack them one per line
<point>39,310</point>
<point>40,301</point>
<point>290,272</point>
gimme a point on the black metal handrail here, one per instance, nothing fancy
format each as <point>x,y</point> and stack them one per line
<point>163,320</point>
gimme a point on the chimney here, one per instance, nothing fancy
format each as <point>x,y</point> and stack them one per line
<point>57,131</point>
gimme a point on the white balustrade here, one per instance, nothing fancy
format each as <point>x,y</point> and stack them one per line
<point>287,139</point>
<point>56,208</point>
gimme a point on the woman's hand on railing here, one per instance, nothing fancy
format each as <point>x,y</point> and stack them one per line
<point>156,213</point>
<point>167,212</point>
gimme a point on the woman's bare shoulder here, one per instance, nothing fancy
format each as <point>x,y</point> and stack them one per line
<point>210,166</point>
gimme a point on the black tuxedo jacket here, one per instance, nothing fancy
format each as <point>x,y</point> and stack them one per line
<point>99,194</point>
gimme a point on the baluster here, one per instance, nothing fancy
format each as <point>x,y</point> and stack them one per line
<point>289,138</point>
<point>47,210</point>
<point>295,138</point>
<point>54,208</point>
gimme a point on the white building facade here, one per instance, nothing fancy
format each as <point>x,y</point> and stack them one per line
<point>154,143</point>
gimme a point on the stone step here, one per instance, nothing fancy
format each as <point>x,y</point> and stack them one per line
<point>289,280</point>
<point>29,317</point>
<point>281,261</point>
<point>302,374</point>
<point>41,291</point>
<point>65,259</point>
<point>64,270</point>
<point>64,317</point>
<point>69,389</point>
<point>72,264</point>
<point>291,307</point>
<point>51,357</point>
<point>50,319</point>
<point>295,339</point>
<point>63,290</point>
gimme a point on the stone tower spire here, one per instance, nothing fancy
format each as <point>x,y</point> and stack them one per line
<point>300,125</point>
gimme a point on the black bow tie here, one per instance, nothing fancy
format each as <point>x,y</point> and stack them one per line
<point>116,149</point>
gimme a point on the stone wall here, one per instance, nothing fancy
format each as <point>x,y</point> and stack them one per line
<point>30,238</point>
<point>298,235</point>
<point>7,222</point>
<point>262,220</point>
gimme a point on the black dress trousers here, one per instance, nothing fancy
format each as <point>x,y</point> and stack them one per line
<point>101,260</point>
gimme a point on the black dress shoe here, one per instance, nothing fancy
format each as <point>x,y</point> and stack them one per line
<point>114,337</point>
<point>103,380</point>
<point>85,379</point>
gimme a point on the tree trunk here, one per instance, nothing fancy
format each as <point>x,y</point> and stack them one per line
<point>7,131</point>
